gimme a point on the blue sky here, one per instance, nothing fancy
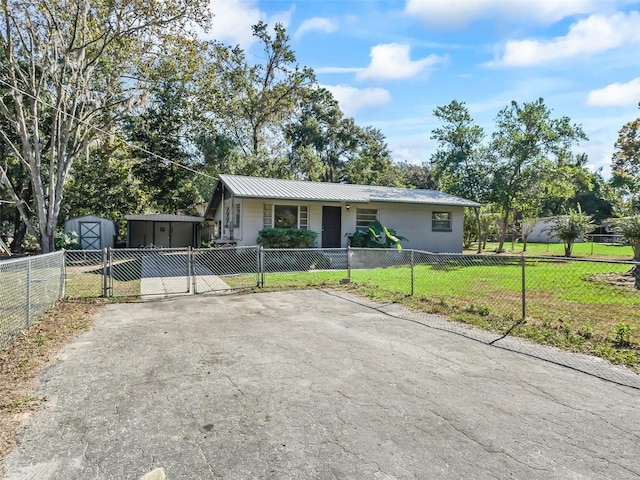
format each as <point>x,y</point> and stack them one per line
<point>391,62</point>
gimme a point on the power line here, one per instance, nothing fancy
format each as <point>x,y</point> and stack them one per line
<point>104,132</point>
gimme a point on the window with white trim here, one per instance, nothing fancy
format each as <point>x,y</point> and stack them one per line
<point>285,216</point>
<point>227,216</point>
<point>365,217</point>
<point>236,216</point>
<point>232,219</point>
<point>441,221</point>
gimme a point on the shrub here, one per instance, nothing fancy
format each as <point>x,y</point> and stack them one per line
<point>376,236</point>
<point>286,238</point>
<point>622,332</point>
<point>68,241</point>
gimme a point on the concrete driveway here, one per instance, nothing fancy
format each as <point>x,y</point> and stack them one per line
<point>318,385</point>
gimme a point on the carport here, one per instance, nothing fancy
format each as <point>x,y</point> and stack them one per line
<point>163,230</point>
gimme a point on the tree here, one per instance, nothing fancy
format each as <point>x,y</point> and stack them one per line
<point>103,185</point>
<point>68,66</point>
<point>571,227</point>
<point>629,228</point>
<point>370,162</point>
<point>423,176</point>
<point>320,137</point>
<point>626,156</point>
<point>522,146</point>
<point>459,156</point>
<point>165,128</point>
<point>527,226</point>
<point>251,103</point>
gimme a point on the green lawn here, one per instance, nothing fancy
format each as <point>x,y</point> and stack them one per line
<point>580,250</point>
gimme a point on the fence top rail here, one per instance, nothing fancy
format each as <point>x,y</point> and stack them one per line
<point>584,260</point>
<point>149,250</point>
<point>311,249</point>
<point>32,257</point>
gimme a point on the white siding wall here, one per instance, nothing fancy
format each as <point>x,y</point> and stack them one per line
<point>414,222</point>
<point>410,221</point>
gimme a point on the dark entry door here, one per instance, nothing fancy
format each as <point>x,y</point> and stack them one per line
<point>331,227</point>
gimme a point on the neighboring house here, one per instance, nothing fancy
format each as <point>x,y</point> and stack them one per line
<point>163,230</point>
<point>94,233</point>
<point>541,234</point>
<point>242,206</point>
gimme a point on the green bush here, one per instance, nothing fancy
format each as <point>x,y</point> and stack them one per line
<point>68,241</point>
<point>376,236</point>
<point>286,238</point>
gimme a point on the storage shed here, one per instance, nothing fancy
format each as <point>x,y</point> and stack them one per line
<point>163,230</point>
<point>94,233</point>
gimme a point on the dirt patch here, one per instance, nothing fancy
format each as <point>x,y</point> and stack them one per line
<point>625,280</point>
<point>27,355</point>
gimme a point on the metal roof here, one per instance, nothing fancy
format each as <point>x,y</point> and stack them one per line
<point>163,217</point>
<point>255,187</point>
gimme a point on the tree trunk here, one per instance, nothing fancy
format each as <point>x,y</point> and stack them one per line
<point>477,212</point>
<point>568,247</point>
<point>503,232</point>
<point>19,232</point>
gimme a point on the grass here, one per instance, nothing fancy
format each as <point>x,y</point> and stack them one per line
<point>85,281</point>
<point>27,355</point>
<point>580,250</point>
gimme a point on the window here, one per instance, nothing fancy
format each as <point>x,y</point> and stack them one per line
<point>267,216</point>
<point>232,220</point>
<point>236,216</point>
<point>365,217</point>
<point>227,217</point>
<point>285,216</point>
<point>441,221</point>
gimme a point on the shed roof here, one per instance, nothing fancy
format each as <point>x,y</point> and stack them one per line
<point>273,188</point>
<point>163,217</point>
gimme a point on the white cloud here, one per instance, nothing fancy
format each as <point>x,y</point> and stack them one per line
<point>353,99</point>
<point>457,13</point>
<point>616,95</point>
<point>315,24</point>
<point>233,19</point>
<point>338,69</point>
<point>594,34</point>
<point>391,62</point>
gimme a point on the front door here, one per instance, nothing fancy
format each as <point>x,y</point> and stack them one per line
<point>331,227</point>
<point>162,234</point>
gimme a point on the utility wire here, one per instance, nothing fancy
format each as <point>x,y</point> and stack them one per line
<point>104,132</point>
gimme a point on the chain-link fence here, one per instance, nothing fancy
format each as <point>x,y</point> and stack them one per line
<point>225,269</point>
<point>28,288</point>
<point>500,288</point>
<point>562,299</point>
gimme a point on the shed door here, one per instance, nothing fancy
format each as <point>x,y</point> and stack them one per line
<point>90,235</point>
<point>162,234</point>
<point>331,227</point>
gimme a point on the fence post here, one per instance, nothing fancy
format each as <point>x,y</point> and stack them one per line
<point>258,268</point>
<point>191,272</point>
<point>524,289</point>
<point>28,292</point>
<point>349,262</point>
<point>261,266</point>
<point>63,273</point>
<point>412,272</point>
<point>110,271</point>
<point>104,273</point>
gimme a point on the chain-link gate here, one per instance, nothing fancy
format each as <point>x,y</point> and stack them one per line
<point>224,269</point>
<point>148,272</point>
